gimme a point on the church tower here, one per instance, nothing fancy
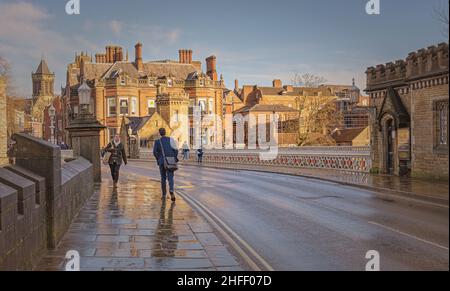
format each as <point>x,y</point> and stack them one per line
<point>43,90</point>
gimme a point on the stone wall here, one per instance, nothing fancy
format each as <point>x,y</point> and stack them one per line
<point>407,93</point>
<point>3,123</point>
<point>39,197</point>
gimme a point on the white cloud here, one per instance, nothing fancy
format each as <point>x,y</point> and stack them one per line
<point>116,27</point>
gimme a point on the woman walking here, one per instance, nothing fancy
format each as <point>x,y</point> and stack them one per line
<point>118,155</point>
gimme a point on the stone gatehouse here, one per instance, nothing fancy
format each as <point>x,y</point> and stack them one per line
<point>410,121</point>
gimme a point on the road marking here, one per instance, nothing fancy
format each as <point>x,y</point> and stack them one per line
<point>408,235</point>
<point>228,234</point>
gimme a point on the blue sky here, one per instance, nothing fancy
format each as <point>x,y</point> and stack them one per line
<point>255,41</point>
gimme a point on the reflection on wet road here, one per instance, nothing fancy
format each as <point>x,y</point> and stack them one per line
<point>304,224</point>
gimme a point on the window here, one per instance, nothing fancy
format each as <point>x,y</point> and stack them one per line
<point>177,119</point>
<point>123,106</point>
<point>211,106</point>
<point>441,109</point>
<point>112,107</point>
<point>151,105</point>
<point>202,105</point>
<point>134,106</point>
<point>169,82</point>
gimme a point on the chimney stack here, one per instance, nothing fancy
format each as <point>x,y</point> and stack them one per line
<point>185,56</point>
<point>211,67</point>
<point>109,54</point>
<point>236,85</point>
<point>181,56</point>
<point>189,55</point>
<point>138,57</point>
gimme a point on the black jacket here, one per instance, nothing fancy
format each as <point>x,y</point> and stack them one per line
<point>168,150</point>
<point>117,154</point>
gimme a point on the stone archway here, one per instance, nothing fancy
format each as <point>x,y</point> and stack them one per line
<point>389,152</point>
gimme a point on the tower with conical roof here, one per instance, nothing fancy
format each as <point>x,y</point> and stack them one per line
<point>43,90</point>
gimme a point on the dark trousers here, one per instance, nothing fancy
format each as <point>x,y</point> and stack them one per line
<point>115,168</point>
<point>166,175</point>
<point>199,159</point>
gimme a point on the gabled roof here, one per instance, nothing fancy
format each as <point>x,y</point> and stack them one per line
<point>346,135</point>
<point>398,111</point>
<point>136,123</point>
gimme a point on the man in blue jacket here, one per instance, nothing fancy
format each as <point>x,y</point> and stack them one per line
<point>165,146</point>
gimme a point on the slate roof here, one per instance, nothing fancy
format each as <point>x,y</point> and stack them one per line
<point>346,135</point>
<point>266,108</point>
<point>43,68</point>
<point>151,69</point>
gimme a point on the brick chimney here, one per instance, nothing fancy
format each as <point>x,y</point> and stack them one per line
<point>236,85</point>
<point>211,67</point>
<point>185,56</point>
<point>277,83</point>
<point>138,57</point>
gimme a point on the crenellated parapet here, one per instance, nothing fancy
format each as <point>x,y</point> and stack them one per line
<point>422,63</point>
<point>433,59</point>
<point>386,73</point>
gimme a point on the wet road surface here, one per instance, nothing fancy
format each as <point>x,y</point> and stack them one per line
<point>297,223</point>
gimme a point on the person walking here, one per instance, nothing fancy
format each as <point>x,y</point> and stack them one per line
<point>185,151</point>
<point>117,151</point>
<point>165,151</point>
<point>200,156</point>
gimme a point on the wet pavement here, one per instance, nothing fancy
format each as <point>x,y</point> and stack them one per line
<point>132,229</point>
<point>434,191</point>
<point>298,223</point>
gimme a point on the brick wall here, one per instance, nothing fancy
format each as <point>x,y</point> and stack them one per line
<point>428,161</point>
<point>39,197</point>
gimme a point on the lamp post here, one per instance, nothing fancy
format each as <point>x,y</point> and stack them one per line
<point>85,132</point>
<point>84,95</point>
<point>130,133</point>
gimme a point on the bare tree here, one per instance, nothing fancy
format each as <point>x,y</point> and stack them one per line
<point>316,114</point>
<point>5,73</point>
<point>308,80</point>
<point>5,68</point>
<point>441,14</point>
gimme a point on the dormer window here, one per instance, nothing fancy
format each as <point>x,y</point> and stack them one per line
<point>122,81</point>
<point>169,82</point>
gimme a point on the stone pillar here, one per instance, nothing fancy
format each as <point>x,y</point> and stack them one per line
<point>85,140</point>
<point>3,123</point>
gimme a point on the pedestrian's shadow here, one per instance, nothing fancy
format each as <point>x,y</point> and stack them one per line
<point>166,236</point>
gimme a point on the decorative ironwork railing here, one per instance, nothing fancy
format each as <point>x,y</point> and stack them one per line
<point>354,159</point>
